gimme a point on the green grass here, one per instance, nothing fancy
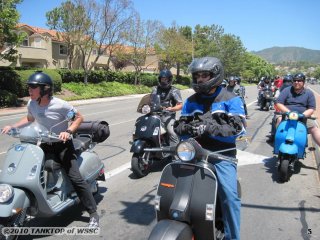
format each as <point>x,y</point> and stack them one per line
<point>105,89</point>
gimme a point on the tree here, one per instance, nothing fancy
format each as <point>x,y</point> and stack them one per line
<point>231,53</point>
<point>68,20</point>
<point>255,67</point>
<point>140,39</point>
<point>173,48</point>
<point>99,26</point>
<point>9,38</point>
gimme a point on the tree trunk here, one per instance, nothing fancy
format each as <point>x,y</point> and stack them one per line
<point>178,70</point>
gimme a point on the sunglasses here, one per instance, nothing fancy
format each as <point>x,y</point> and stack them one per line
<point>33,86</point>
<point>298,80</point>
<point>202,75</point>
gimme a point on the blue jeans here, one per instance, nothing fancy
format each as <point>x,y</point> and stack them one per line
<point>228,192</point>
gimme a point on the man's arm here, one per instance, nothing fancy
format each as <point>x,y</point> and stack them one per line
<point>72,128</point>
<point>25,120</point>
<point>176,108</point>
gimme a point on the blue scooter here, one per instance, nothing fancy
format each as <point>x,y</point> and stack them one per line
<point>290,142</point>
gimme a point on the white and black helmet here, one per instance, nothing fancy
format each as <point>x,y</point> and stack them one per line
<point>206,64</point>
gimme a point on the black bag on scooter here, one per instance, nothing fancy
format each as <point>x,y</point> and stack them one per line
<point>99,130</point>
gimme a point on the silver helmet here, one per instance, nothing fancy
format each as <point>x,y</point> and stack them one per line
<point>206,64</point>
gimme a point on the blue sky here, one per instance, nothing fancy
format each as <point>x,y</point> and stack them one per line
<point>260,24</point>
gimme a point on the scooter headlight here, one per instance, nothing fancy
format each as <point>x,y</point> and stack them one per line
<point>186,151</point>
<point>293,116</point>
<point>6,193</point>
<point>145,109</point>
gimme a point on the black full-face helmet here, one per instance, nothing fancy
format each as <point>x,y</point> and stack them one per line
<point>266,79</point>
<point>43,80</point>
<point>206,64</point>
<point>165,74</point>
<point>299,76</point>
<point>288,78</point>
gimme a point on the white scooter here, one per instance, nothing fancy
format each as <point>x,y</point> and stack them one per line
<point>31,184</point>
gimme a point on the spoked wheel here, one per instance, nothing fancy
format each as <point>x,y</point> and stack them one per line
<point>17,220</point>
<point>284,170</point>
<point>139,166</point>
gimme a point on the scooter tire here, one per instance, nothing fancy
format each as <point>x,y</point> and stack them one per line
<point>284,170</point>
<point>18,218</point>
<point>138,167</point>
<point>268,106</point>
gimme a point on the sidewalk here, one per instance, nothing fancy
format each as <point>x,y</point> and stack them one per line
<point>17,110</point>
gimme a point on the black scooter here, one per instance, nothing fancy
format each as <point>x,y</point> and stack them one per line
<point>267,98</point>
<point>150,139</point>
<point>187,205</point>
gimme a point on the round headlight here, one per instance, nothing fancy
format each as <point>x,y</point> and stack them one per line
<point>145,109</point>
<point>6,193</point>
<point>293,116</point>
<point>186,151</point>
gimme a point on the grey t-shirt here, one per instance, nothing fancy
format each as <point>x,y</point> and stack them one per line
<point>53,114</point>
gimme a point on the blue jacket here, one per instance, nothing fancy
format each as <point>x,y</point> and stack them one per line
<point>222,113</point>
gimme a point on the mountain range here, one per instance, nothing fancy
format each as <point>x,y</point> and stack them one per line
<point>289,54</point>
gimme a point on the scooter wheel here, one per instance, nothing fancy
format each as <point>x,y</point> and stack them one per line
<point>284,170</point>
<point>138,166</point>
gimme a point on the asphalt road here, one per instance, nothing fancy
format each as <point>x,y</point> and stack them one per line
<point>270,210</point>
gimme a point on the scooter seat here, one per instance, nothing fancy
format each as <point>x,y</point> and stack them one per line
<point>81,143</point>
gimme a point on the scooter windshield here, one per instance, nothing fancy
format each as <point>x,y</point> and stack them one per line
<point>155,103</point>
<point>32,133</point>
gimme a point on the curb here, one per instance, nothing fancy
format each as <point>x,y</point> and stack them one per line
<point>17,110</point>
<point>316,152</point>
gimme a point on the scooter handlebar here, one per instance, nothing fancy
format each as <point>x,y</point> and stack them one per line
<point>301,116</point>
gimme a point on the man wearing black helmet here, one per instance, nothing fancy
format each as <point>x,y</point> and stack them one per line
<point>50,112</point>
<point>171,100</point>
<point>221,120</point>
<point>298,98</point>
<point>261,85</point>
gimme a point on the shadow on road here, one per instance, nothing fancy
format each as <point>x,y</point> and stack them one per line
<point>134,211</point>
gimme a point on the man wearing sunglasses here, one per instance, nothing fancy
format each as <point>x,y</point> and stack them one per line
<point>220,119</point>
<point>298,98</point>
<point>50,112</point>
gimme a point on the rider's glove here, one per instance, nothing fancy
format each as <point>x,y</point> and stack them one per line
<point>182,128</point>
<point>199,130</point>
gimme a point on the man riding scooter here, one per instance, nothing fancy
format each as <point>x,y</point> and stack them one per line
<point>171,100</point>
<point>221,120</point>
<point>298,98</point>
<point>50,112</point>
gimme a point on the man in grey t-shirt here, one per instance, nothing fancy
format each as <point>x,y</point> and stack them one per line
<point>50,112</point>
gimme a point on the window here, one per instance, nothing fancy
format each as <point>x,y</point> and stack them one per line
<point>63,50</point>
<point>37,42</point>
<point>94,52</point>
<point>25,42</point>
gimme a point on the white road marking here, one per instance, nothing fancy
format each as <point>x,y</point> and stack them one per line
<point>118,170</point>
<point>246,158</point>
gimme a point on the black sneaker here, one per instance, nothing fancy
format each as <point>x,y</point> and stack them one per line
<point>94,222</point>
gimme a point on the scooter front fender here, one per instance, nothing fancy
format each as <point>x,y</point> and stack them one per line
<point>290,149</point>
<point>138,146</point>
<point>170,229</point>
<point>19,200</point>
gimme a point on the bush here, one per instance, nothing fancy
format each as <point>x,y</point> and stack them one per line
<point>55,76</point>
<point>11,81</point>
<point>7,99</point>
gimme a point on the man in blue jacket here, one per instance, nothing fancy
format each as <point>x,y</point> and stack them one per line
<point>220,120</point>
